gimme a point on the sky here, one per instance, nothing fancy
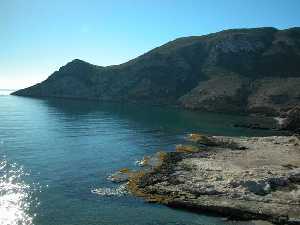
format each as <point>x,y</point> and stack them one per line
<point>39,36</point>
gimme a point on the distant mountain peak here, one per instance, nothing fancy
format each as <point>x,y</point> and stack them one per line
<point>78,61</point>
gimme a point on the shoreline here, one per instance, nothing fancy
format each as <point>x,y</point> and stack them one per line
<point>255,178</point>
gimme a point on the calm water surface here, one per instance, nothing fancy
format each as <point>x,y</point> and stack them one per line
<point>54,153</point>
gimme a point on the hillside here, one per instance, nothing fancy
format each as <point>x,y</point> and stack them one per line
<point>239,70</point>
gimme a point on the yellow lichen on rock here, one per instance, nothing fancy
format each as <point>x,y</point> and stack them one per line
<point>136,177</point>
<point>133,182</point>
<point>187,148</point>
<point>124,170</point>
<point>200,139</point>
<point>162,155</point>
<point>133,187</point>
<point>194,137</point>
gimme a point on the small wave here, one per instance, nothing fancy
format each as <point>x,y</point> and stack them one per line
<point>119,191</point>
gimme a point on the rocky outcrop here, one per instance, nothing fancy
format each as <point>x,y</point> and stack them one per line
<point>273,95</point>
<point>242,178</point>
<point>240,70</point>
<point>224,93</point>
<point>291,120</point>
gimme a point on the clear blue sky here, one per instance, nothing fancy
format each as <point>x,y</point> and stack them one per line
<point>39,36</point>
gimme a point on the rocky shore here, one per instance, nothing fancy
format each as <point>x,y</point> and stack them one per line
<point>240,178</point>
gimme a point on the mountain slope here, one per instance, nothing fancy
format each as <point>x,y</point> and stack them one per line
<point>241,70</point>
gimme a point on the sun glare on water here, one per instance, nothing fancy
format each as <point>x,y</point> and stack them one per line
<point>14,196</point>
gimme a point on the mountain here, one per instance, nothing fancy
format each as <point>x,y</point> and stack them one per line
<point>238,70</point>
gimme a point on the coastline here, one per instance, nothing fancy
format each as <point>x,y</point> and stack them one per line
<point>254,178</point>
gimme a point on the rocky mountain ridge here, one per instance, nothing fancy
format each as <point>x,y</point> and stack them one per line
<point>239,70</point>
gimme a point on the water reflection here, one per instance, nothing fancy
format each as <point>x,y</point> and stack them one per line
<point>153,119</point>
<point>14,196</point>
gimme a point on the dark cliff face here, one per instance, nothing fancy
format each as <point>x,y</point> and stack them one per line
<point>253,70</point>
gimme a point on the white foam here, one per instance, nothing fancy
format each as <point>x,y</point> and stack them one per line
<point>279,120</point>
<point>119,191</point>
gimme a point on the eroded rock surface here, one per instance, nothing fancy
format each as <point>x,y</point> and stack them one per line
<point>243,178</point>
<point>291,120</point>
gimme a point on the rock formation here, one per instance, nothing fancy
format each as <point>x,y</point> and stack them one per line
<point>240,70</point>
<point>242,178</point>
<point>291,120</point>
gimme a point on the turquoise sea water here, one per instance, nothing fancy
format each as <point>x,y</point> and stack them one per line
<point>54,153</point>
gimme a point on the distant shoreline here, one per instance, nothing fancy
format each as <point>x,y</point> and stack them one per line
<point>6,91</point>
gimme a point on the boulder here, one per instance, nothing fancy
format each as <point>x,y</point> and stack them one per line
<point>294,175</point>
<point>292,120</point>
<point>257,187</point>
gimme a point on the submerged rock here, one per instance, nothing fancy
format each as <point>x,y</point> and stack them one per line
<point>255,126</point>
<point>150,162</point>
<point>120,176</point>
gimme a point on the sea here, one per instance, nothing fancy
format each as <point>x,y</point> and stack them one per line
<point>56,155</point>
